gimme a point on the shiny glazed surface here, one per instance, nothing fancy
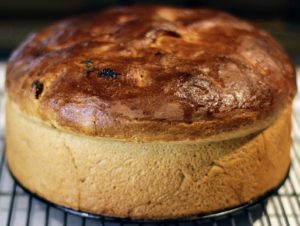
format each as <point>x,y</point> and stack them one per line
<point>152,73</point>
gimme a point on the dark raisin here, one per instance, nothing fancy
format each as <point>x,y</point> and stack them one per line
<point>108,73</point>
<point>88,63</point>
<point>90,71</point>
<point>184,74</point>
<point>37,87</point>
<point>155,33</point>
<point>171,33</point>
<point>88,74</point>
<point>96,70</point>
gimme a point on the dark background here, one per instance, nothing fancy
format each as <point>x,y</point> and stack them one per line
<point>20,17</point>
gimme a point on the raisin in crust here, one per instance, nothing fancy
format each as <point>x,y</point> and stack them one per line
<point>152,73</point>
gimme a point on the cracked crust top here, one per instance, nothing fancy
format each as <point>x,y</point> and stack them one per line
<point>152,73</point>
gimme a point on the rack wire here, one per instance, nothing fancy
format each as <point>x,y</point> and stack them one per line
<point>20,208</point>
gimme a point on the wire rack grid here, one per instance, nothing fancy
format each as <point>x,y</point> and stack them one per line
<point>19,208</point>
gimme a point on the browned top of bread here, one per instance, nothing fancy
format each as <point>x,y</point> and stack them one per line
<point>152,73</point>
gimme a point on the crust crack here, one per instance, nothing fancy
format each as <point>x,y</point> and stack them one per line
<point>73,161</point>
<point>164,197</point>
<point>234,189</point>
<point>265,148</point>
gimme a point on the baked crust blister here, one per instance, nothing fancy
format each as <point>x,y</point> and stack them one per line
<point>152,73</point>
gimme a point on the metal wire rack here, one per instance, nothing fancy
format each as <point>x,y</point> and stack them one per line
<point>19,208</point>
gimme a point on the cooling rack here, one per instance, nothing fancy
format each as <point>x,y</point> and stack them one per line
<point>20,208</point>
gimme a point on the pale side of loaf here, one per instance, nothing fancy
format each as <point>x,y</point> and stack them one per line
<point>154,180</point>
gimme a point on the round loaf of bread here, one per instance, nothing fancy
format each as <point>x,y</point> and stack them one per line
<point>149,112</point>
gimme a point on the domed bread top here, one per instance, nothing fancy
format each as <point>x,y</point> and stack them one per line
<point>152,73</point>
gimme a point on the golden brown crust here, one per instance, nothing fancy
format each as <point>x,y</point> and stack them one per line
<point>153,180</point>
<point>152,73</point>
